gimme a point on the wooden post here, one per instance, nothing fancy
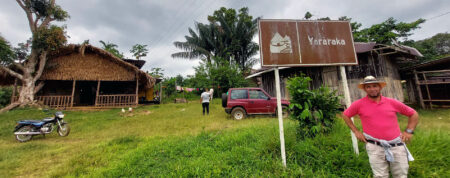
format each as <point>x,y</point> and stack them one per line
<point>160,92</point>
<point>428,90</point>
<point>14,90</point>
<point>73,92</point>
<point>96,94</point>
<point>418,89</point>
<point>137,89</point>
<point>348,102</point>
<point>280,117</point>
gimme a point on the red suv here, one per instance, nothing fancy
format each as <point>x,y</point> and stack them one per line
<point>242,101</point>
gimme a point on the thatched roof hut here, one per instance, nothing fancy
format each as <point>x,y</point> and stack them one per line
<point>84,75</point>
<point>97,64</point>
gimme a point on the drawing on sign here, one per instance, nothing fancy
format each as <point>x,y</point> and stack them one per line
<point>279,44</point>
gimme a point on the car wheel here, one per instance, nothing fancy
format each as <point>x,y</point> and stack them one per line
<point>238,113</point>
<point>224,99</point>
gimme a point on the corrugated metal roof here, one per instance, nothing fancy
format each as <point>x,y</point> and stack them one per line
<point>361,47</point>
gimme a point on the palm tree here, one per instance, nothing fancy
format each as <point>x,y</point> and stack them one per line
<point>224,38</point>
<point>199,45</point>
<point>112,48</point>
<point>240,33</point>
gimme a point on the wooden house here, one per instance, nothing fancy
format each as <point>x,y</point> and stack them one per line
<point>381,61</point>
<point>428,83</point>
<point>88,76</point>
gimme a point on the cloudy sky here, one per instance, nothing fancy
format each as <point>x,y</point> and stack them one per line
<point>158,23</point>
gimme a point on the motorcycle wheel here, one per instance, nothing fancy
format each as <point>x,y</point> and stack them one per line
<point>64,130</point>
<point>24,138</point>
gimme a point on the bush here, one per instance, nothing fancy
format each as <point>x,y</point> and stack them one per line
<point>315,110</point>
<point>5,96</point>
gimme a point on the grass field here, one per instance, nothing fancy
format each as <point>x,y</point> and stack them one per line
<point>175,140</point>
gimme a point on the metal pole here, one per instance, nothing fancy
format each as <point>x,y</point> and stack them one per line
<point>348,102</point>
<point>280,117</point>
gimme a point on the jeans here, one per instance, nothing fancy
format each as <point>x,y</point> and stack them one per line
<point>205,105</point>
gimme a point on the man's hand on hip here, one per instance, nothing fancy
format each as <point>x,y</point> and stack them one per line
<point>360,136</point>
<point>406,137</point>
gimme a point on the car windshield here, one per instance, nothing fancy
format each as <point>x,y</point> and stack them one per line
<point>239,94</point>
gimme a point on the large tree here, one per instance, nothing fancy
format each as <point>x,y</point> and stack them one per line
<point>45,38</point>
<point>227,37</point>
<point>201,44</point>
<point>436,47</point>
<point>383,33</point>
<point>237,31</point>
<point>387,31</point>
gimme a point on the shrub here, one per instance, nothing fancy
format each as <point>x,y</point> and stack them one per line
<point>5,96</point>
<point>315,110</point>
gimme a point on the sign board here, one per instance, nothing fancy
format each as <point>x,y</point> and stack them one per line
<point>306,43</point>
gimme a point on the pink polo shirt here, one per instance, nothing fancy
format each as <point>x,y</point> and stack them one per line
<point>379,119</point>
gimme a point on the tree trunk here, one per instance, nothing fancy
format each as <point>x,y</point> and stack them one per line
<point>26,95</point>
<point>9,107</point>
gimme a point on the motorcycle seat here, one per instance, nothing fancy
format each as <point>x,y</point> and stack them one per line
<point>48,119</point>
<point>31,121</point>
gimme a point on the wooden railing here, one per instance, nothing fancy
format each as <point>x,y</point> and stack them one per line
<point>115,100</point>
<point>52,101</point>
<point>101,100</point>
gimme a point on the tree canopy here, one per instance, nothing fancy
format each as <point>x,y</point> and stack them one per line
<point>435,47</point>
<point>45,38</point>
<point>227,37</point>
<point>387,31</point>
<point>139,51</point>
<point>7,54</point>
<point>383,33</point>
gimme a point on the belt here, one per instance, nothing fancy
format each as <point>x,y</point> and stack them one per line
<point>379,144</point>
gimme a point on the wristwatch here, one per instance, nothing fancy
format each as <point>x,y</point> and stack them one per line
<point>410,131</point>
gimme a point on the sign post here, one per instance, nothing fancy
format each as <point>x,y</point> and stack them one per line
<point>348,102</point>
<point>297,43</point>
<point>280,115</point>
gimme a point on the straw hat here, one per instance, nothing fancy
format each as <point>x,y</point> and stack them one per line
<point>371,79</point>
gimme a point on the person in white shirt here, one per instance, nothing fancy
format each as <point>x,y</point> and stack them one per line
<point>204,99</point>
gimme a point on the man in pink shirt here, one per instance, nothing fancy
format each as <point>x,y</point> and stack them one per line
<point>385,143</point>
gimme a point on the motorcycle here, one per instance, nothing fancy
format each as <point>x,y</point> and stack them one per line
<point>26,129</point>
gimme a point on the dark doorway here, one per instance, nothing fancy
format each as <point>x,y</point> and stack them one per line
<point>85,92</point>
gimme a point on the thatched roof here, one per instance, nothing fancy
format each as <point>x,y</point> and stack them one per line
<point>86,62</point>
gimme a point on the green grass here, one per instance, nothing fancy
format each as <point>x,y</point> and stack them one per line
<point>176,140</point>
